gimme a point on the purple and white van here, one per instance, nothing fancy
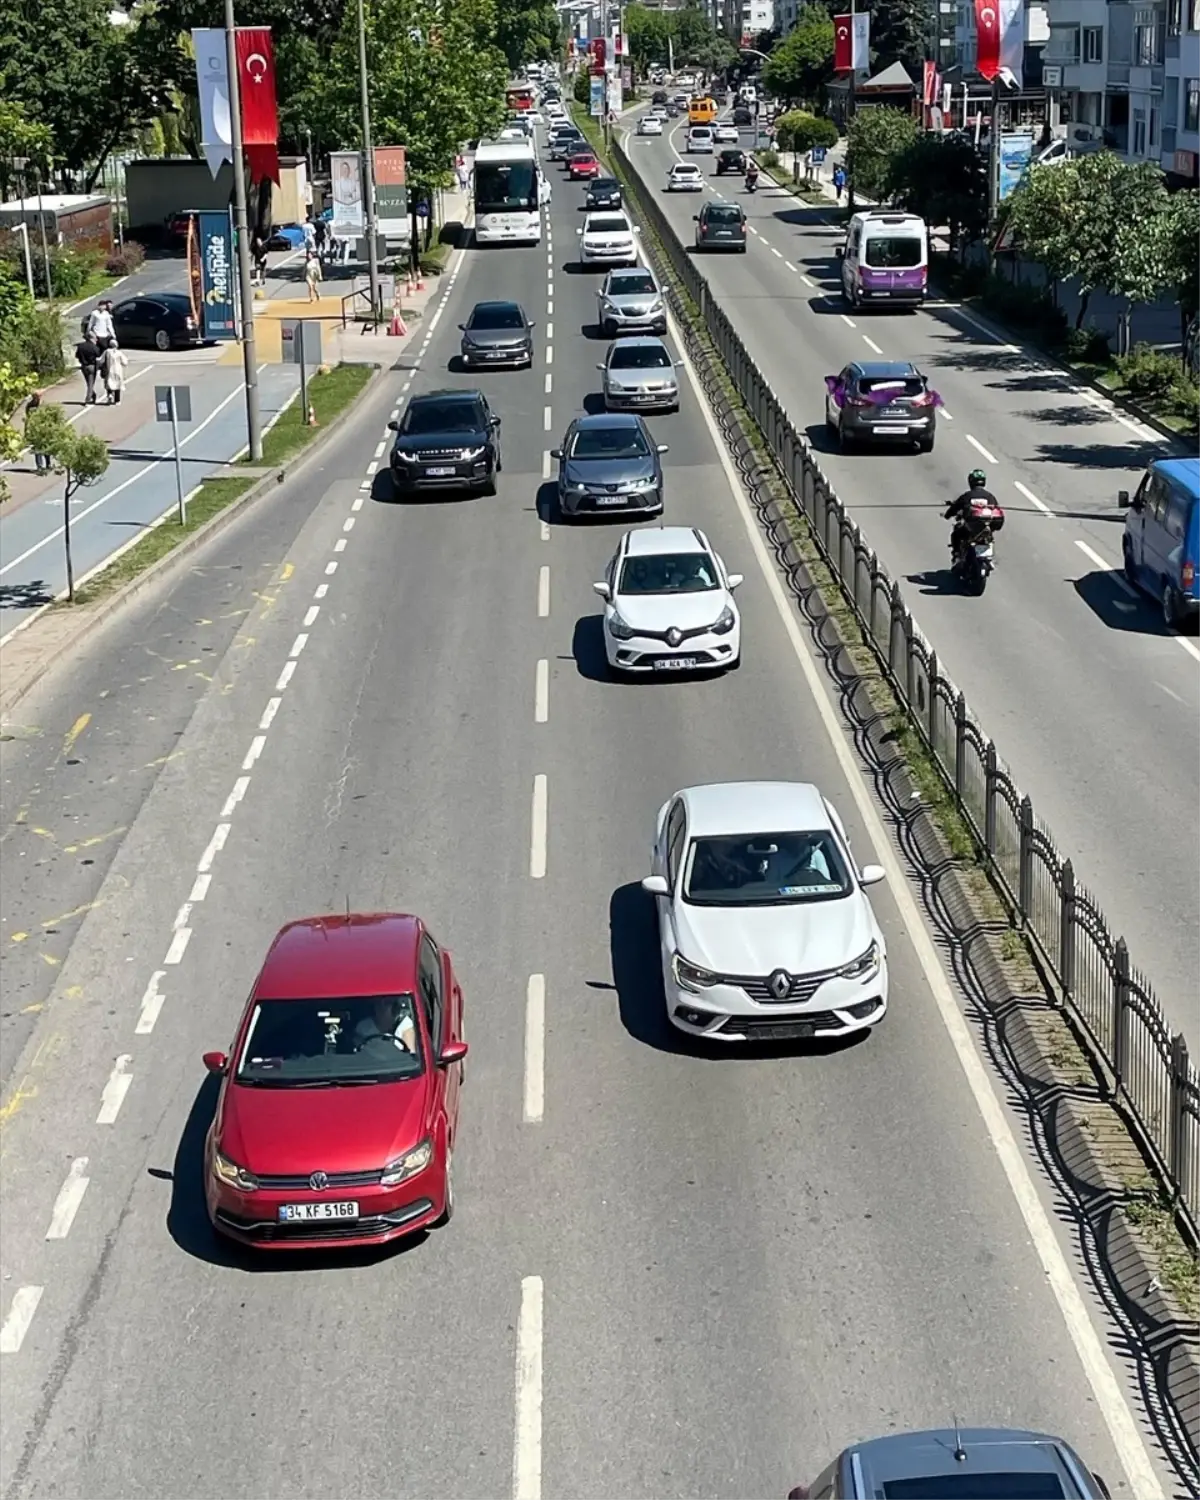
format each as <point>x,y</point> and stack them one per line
<point>885,260</point>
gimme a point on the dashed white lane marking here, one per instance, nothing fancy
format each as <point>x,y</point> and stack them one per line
<point>372,466</point>
<point>794,269</point>
<point>379,447</point>
<point>544,530</point>
<point>180,939</point>
<point>299,644</point>
<point>871,344</point>
<point>849,322</point>
<point>257,745</point>
<point>340,544</point>
<point>20,1316</point>
<point>527,1445</point>
<point>115,1090</point>
<point>270,711</point>
<point>364,484</point>
<point>535,1049</point>
<point>775,252</point>
<point>285,676</point>
<point>215,845</point>
<point>311,614</point>
<point>550,308</point>
<point>320,591</point>
<point>199,889</point>
<point>1032,498</point>
<point>549,333</point>
<point>348,523</point>
<point>537,830</point>
<point>70,1196</point>
<point>945,414</point>
<point>330,569</point>
<point>541,692</point>
<point>549,354</point>
<point>808,283</point>
<point>182,917</point>
<point>358,503</point>
<point>235,796</point>
<point>976,444</point>
<point>546,464</point>
<point>547,418</point>
<point>543,591</point>
<point>549,382</point>
<point>152,1004</point>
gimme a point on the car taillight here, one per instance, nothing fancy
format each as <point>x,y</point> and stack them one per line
<point>924,399</point>
<point>859,401</point>
<point>1188,576</point>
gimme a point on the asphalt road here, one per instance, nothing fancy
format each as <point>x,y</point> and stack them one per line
<point>1093,705</point>
<point>740,1263</point>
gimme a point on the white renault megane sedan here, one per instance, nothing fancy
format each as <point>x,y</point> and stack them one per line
<point>766,929</point>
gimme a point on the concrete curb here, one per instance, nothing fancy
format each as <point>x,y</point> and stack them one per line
<point>1078,1136</point>
<point>14,686</point>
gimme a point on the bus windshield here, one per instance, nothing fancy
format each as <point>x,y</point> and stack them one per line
<point>505,186</point>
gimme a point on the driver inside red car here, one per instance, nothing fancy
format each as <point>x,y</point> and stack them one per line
<point>390,1024</point>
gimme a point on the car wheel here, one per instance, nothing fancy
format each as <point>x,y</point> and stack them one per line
<point>489,484</point>
<point>609,329</point>
<point>162,340</point>
<point>1172,607</point>
<point>447,1212</point>
<point>925,445</point>
<point>1129,568</point>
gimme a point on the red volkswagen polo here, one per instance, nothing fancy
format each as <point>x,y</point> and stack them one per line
<point>338,1108</point>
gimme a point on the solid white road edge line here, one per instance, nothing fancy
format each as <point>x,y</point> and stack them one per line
<point>527,1442</point>
<point>1110,1399</point>
<point>535,1050</point>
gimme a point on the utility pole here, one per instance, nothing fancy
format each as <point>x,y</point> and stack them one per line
<point>368,164</point>
<point>994,162</point>
<point>850,102</point>
<point>607,44</point>
<point>241,228</point>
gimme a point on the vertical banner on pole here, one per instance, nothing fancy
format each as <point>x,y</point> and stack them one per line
<point>212,79</point>
<point>260,112</point>
<point>345,171</point>
<point>216,276</point>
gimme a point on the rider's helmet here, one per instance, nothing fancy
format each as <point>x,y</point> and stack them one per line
<point>977,479</point>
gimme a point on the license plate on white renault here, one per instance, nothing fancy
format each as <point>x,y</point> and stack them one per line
<point>293,1213</point>
<point>676,664</point>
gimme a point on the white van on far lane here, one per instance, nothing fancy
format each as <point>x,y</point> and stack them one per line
<point>885,259</point>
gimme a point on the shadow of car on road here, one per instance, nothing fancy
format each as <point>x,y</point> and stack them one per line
<point>1107,595</point>
<point>383,492</point>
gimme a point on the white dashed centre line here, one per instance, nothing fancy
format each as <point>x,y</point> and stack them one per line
<point>541,692</point>
<point>70,1196</point>
<point>235,796</point>
<point>215,845</point>
<point>311,614</point>
<point>808,283</point>
<point>20,1316</point>
<point>330,569</point>
<point>340,544</point>
<point>549,382</point>
<point>549,333</point>
<point>537,831</point>
<point>546,464</point>
<point>547,419</point>
<point>379,447</point>
<point>180,939</point>
<point>849,322</point>
<point>115,1090</point>
<point>1031,497</point>
<point>527,1447</point>
<point>357,504</point>
<point>779,253</point>
<point>871,344</point>
<point>271,709</point>
<point>286,675</point>
<point>535,1049</point>
<point>152,1001</point>
<point>976,444</point>
<point>543,591</point>
<point>257,745</point>
<point>298,644</point>
<point>199,889</point>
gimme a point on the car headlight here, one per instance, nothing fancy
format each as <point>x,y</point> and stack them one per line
<point>408,1165</point>
<point>725,622</point>
<point>864,966</point>
<point>470,453</point>
<point>619,628</point>
<point>578,487</point>
<point>690,976</point>
<point>616,387</point>
<point>229,1171</point>
<point>405,458</point>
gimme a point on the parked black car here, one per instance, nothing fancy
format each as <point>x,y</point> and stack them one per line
<point>157,320</point>
<point>446,440</point>
<point>497,333</point>
<point>732,159</point>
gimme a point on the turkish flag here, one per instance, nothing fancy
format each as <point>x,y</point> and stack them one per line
<point>987,24</point>
<point>843,45</point>
<point>260,114</point>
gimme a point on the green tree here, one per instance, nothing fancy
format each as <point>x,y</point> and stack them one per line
<point>81,458</point>
<point>14,389</point>
<point>647,34</point>
<point>1183,235</point>
<point>526,30</point>
<point>945,181</point>
<point>1045,215</point>
<point>900,32</point>
<point>799,131</point>
<point>21,137</point>
<point>694,32</point>
<point>802,64</point>
<point>877,137</point>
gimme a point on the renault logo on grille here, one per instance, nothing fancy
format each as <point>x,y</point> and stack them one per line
<point>674,636</point>
<point>319,1181</point>
<point>780,983</point>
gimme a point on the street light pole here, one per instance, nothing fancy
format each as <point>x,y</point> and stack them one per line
<point>368,163</point>
<point>241,227</point>
<point>851,89</point>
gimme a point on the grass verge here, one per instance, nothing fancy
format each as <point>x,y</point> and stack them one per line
<point>215,496</point>
<point>329,395</point>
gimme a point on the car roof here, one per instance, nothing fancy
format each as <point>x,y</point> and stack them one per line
<point>172,299</point>
<point>601,420</point>
<point>497,304</point>
<point>885,369</point>
<point>654,541</point>
<point>754,807</point>
<point>917,1455</point>
<point>459,395</point>
<point>325,957</point>
<point>640,341</point>
<point>1184,471</point>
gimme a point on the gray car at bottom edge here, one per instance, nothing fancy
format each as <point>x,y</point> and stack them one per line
<point>610,465</point>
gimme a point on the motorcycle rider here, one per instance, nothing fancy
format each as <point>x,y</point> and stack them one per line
<point>751,174</point>
<point>975,508</point>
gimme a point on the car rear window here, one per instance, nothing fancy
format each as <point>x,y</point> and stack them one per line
<point>895,389</point>
<point>766,869</point>
<point>315,1043</point>
<point>975,1486</point>
<point>724,213</point>
<point>639,357</point>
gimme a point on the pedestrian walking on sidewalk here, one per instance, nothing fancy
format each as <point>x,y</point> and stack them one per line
<point>100,324</point>
<point>839,181</point>
<point>462,172</point>
<point>87,353</point>
<point>312,275</point>
<point>310,236</point>
<point>113,366</point>
<point>321,234</point>
<point>258,255</point>
<point>42,462</point>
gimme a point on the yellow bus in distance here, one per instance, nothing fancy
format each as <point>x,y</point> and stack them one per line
<point>702,111</point>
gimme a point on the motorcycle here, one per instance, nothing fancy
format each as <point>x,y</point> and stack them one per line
<point>751,181</point>
<point>975,559</point>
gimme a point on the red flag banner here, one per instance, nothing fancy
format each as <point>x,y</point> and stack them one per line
<point>260,114</point>
<point>987,24</point>
<point>843,45</point>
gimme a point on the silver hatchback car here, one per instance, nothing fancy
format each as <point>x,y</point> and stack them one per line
<point>639,375</point>
<point>631,301</point>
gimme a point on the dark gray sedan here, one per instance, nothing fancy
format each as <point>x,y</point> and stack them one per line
<point>881,401</point>
<point>609,465</point>
<point>497,333</point>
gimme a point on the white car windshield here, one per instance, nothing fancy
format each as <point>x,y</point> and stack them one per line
<point>765,869</point>
<point>607,226</point>
<point>632,284</point>
<point>669,573</point>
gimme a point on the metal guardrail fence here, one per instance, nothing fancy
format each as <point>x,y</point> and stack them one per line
<point>1146,1070</point>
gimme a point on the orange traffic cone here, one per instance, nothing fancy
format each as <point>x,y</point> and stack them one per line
<point>420,283</point>
<point>397,329</point>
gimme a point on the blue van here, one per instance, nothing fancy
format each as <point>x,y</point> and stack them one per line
<point>1161,546</point>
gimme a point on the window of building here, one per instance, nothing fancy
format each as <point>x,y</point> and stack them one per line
<point>1139,132</point>
<point>1153,131</point>
<point>1191,103</point>
<point>1174,17</point>
<point>1093,44</point>
<point>1147,50</point>
<point>1063,46</point>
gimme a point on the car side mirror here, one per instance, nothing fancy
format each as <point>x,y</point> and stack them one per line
<point>1123,499</point>
<point>532,323</point>
<point>451,1053</point>
<point>637,229</point>
<point>840,252</point>
<point>393,426</point>
<point>579,231</point>
<point>215,1062</point>
<point>656,885</point>
<point>602,589</point>
<point>736,580</point>
<point>493,421</point>
<point>556,453</point>
<point>663,448</point>
<point>463,326</point>
<point>696,217</point>
<point>871,875</point>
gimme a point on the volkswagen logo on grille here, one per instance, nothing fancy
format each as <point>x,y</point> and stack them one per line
<point>674,636</point>
<point>780,983</point>
<point>319,1181</point>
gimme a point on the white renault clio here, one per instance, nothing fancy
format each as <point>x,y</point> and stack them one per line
<point>668,604</point>
<point>766,928</point>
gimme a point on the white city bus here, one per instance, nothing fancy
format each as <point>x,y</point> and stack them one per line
<point>507,210</point>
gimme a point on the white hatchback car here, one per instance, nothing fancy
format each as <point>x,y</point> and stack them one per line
<point>700,140</point>
<point>650,125</point>
<point>608,239</point>
<point>668,605</point>
<point>726,133</point>
<point>766,930</point>
<point>685,177</point>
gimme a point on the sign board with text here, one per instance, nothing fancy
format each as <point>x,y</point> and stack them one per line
<point>596,100</point>
<point>217,298</point>
<point>180,395</point>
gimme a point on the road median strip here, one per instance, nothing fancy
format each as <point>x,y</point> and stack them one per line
<point>1137,1243</point>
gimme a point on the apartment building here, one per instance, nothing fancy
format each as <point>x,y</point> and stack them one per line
<point>786,12</point>
<point>746,19</point>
